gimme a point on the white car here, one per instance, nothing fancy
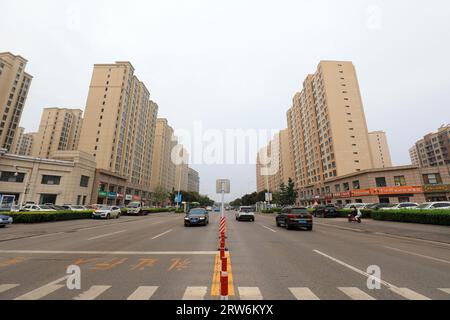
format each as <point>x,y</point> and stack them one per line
<point>209,208</point>
<point>107,212</point>
<point>245,213</point>
<point>357,205</point>
<point>36,207</point>
<point>403,205</point>
<point>74,207</point>
<point>434,205</point>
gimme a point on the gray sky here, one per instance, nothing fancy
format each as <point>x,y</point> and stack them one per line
<point>237,64</point>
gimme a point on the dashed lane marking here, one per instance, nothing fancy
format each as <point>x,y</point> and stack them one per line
<point>195,293</point>
<point>143,293</point>
<point>92,293</point>
<point>250,293</point>
<point>162,234</point>
<point>419,255</point>
<point>6,287</point>
<point>356,293</point>
<point>303,294</point>
<point>106,235</point>
<point>43,291</point>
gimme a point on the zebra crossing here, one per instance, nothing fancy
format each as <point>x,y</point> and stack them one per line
<point>203,292</point>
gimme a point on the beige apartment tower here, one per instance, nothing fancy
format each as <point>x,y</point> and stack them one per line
<point>193,181</point>
<point>163,169</point>
<point>23,143</point>
<point>119,126</point>
<point>279,152</point>
<point>59,130</point>
<point>433,150</point>
<point>182,171</point>
<point>380,149</point>
<point>327,128</point>
<point>14,86</point>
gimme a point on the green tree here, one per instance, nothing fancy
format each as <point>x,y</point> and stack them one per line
<point>290,194</point>
<point>160,195</point>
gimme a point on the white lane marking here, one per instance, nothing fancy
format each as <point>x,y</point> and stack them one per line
<point>143,293</point>
<point>419,255</point>
<point>274,231</point>
<point>303,294</point>
<point>446,290</point>
<point>162,234</point>
<point>250,293</point>
<point>406,293</point>
<point>43,291</point>
<point>106,235</point>
<point>337,227</point>
<point>44,235</point>
<point>195,293</point>
<point>129,253</point>
<point>356,293</point>
<point>6,287</point>
<point>92,293</point>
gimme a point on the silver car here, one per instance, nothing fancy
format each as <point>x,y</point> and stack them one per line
<point>107,212</point>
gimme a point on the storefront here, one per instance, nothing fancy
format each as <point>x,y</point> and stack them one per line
<point>440,192</point>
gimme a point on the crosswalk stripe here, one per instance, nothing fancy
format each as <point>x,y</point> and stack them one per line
<point>356,293</point>
<point>143,293</point>
<point>6,287</point>
<point>409,294</point>
<point>195,293</point>
<point>40,292</point>
<point>446,290</point>
<point>92,293</point>
<point>303,294</point>
<point>250,293</point>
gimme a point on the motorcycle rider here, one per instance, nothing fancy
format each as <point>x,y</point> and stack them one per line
<point>355,214</point>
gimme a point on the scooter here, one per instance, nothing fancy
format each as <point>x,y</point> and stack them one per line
<point>352,218</point>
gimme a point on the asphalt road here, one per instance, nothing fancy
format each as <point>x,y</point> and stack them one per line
<point>156,257</point>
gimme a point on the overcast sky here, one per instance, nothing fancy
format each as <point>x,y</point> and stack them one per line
<point>237,64</point>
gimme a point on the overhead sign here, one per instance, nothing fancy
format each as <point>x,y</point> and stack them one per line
<point>128,197</point>
<point>178,198</point>
<point>223,185</point>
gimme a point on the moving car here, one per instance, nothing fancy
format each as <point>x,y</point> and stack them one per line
<point>217,209</point>
<point>74,207</point>
<point>197,216</point>
<point>327,211</point>
<point>208,208</point>
<point>295,217</point>
<point>434,205</point>
<point>5,220</point>
<point>37,207</point>
<point>245,213</point>
<point>135,208</point>
<point>403,205</point>
<point>107,212</point>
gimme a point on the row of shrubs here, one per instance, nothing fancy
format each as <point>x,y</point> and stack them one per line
<point>41,216</point>
<point>436,217</point>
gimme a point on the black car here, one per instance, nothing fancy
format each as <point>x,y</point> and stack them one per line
<point>326,211</point>
<point>295,217</point>
<point>196,217</point>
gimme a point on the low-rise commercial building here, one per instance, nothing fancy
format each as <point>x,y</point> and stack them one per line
<point>67,178</point>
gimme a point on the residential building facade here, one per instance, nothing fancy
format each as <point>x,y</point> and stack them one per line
<point>381,154</point>
<point>14,86</point>
<point>433,150</point>
<point>193,181</point>
<point>59,130</point>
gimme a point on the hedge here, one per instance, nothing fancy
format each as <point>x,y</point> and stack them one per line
<point>437,217</point>
<point>43,216</point>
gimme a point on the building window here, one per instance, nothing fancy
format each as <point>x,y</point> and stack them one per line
<point>432,178</point>
<point>381,182</point>
<point>78,200</point>
<point>400,181</point>
<point>356,185</point>
<point>346,186</point>
<point>7,176</point>
<point>84,182</point>
<point>52,180</point>
<point>337,187</point>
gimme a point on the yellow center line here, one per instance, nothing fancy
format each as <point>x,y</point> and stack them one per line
<point>215,287</point>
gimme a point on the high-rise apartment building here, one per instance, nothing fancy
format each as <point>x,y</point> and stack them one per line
<point>433,150</point>
<point>279,166</point>
<point>59,130</point>
<point>327,128</point>
<point>193,181</point>
<point>182,171</point>
<point>119,127</point>
<point>14,86</point>
<point>380,149</point>
<point>163,169</point>
<point>23,143</point>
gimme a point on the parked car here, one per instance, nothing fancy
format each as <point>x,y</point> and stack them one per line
<point>434,205</point>
<point>377,206</point>
<point>74,207</point>
<point>326,211</point>
<point>5,220</point>
<point>245,213</point>
<point>107,212</point>
<point>197,216</point>
<point>357,205</point>
<point>209,208</point>
<point>295,217</point>
<point>37,207</point>
<point>403,205</point>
